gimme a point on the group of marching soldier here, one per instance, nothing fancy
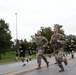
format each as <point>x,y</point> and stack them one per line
<point>58,46</point>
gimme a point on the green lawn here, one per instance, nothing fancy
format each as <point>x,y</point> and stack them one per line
<point>10,57</point>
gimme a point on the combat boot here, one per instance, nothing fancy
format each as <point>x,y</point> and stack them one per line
<point>30,59</point>
<point>62,68</point>
<point>39,67</point>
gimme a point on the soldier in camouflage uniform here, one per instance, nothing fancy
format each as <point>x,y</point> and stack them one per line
<point>41,42</point>
<point>57,42</point>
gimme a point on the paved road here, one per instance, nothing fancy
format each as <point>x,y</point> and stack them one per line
<point>29,69</point>
<point>53,70</point>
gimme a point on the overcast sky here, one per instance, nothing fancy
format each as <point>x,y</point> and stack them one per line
<point>32,14</point>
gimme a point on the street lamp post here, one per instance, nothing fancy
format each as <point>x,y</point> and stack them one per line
<point>16,28</point>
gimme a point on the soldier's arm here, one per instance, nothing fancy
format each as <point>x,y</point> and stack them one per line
<point>34,41</point>
<point>45,42</point>
<point>61,40</point>
<point>50,40</point>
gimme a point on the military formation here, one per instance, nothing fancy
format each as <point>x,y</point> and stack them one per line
<point>58,46</point>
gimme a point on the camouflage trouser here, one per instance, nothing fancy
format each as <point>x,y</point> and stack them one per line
<point>39,56</point>
<point>59,56</point>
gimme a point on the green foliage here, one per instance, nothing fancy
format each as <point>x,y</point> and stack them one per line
<point>47,32</point>
<point>27,43</point>
<point>69,37</point>
<point>5,37</point>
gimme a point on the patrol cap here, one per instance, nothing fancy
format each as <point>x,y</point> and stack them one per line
<point>38,31</point>
<point>55,26</point>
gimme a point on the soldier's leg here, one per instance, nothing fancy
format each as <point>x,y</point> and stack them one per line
<point>38,61</point>
<point>60,66</point>
<point>55,55</point>
<point>65,61</point>
<point>44,58</point>
<point>59,60</point>
<point>61,54</point>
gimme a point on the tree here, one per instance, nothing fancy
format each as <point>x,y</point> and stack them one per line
<point>69,37</point>
<point>15,45</point>
<point>27,43</point>
<point>46,32</point>
<point>5,37</point>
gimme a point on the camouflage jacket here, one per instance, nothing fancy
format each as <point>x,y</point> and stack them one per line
<point>39,41</point>
<point>55,44</point>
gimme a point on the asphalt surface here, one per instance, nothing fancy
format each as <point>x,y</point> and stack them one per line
<point>54,70</point>
<point>29,69</point>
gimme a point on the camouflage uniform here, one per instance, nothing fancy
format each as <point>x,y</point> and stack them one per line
<point>58,48</point>
<point>40,41</point>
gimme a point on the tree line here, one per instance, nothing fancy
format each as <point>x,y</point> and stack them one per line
<point>6,43</point>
